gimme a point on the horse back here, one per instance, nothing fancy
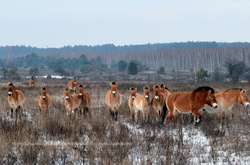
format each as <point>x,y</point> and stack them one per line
<point>181,101</point>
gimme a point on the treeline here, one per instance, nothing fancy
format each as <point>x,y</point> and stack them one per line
<point>64,66</point>
<point>172,56</point>
<point>61,66</point>
<point>19,51</point>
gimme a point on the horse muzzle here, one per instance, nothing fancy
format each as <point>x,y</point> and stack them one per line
<point>215,105</point>
<point>9,93</point>
<point>156,97</point>
<point>246,104</point>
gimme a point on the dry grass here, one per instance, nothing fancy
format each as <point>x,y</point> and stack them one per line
<point>38,138</point>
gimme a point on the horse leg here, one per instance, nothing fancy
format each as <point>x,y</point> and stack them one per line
<point>89,112</point>
<point>169,117</point>
<point>116,115</point>
<point>80,110</point>
<point>111,113</point>
<point>136,113</point>
<point>223,115</point>
<point>197,117</point>
<point>16,111</point>
<point>131,114</point>
<point>11,112</point>
<point>144,116</point>
<point>164,112</point>
<point>160,116</point>
<point>174,118</point>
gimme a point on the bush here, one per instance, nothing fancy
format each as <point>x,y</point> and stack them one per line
<point>235,70</point>
<point>122,66</point>
<point>161,70</point>
<point>133,68</point>
<point>217,76</point>
<point>34,71</point>
<point>202,74</point>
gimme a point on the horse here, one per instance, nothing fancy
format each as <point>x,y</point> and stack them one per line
<point>31,83</point>
<point>44,100</point>
<point>164,90</point>
<point>86,99</point>
<point>113,100</point>
<point>15,98</point>
<point>230,97</point>
<point>190,102</point>
<point>158,102</point>
<point>72,85</point>
<point>71,102</point>
<point>146,93</point>
<point>139,103</point>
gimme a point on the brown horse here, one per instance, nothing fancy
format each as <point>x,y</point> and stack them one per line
<point>138,103</point>
<point>86,99</point>
<point>146,93</point>
<point>190,102</point>
<point>31,83</point>
<point>113,100</point>
<point>230,97</point>
<point>158,102</point>
<point>15,98</point>
<point>72,85</point>
<point>44,100</point>
<point>71,102</point>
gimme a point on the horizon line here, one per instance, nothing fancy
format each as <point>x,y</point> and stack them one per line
<point>122,45</point>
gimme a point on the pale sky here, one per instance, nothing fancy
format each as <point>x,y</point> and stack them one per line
<point>55,23</point>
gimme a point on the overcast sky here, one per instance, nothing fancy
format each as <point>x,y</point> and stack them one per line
<point>55,23</point>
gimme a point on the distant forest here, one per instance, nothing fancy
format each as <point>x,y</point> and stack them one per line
<point>186,56</point>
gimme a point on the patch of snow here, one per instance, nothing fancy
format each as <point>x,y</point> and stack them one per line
<point>199,145</point>
<point>134,129</point>
<point>233,158</point>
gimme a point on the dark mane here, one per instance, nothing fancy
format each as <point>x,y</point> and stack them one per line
<point>203,88</point>
<point>233,89</point>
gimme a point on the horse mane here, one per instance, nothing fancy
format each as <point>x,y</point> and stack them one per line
<point>233,89</point>
<point>203,89</point>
